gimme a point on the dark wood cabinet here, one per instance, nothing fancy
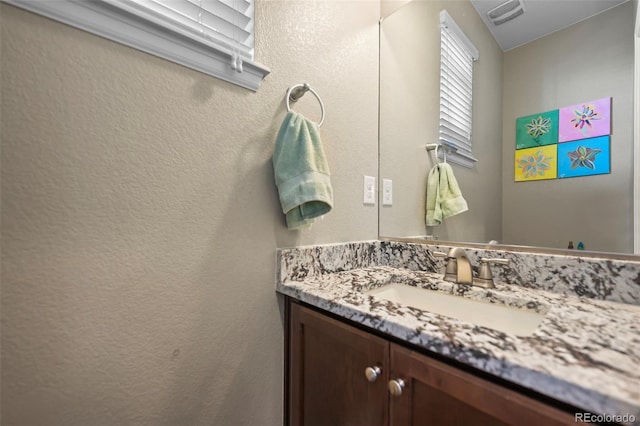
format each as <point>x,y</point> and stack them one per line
<point>435,393</point>
<point>327,384</point>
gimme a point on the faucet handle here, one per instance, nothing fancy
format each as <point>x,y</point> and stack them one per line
<point>485,277</point>
<point>451,270</point>
<point>495,260</point>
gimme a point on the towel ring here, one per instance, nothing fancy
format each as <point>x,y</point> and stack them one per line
<point>435,146</point>
<point>444,153</point>
<point>301,89</point>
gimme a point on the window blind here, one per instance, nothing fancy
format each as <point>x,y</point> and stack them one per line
<point>212,36</point>
<point>457,54</point>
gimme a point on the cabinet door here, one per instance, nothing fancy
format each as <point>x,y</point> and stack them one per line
<point>435,393</point>
<point>328,385</point>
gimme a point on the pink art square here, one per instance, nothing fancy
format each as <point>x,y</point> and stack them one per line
<point>585,120</point>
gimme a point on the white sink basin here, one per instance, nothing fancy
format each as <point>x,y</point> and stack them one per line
<point>498,317</point>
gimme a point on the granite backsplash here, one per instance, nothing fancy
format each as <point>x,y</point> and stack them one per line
<point>573,275</point>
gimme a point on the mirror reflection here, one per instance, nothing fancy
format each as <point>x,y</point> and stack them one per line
<point>589,60</point>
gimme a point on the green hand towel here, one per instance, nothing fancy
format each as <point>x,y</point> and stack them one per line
<point>434,212</point>
<point>301,172</point>
<point>444,198</point>
<point>452,202</point>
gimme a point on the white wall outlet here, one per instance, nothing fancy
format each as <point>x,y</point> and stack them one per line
<point>369,190</point>
<point>387,192</point>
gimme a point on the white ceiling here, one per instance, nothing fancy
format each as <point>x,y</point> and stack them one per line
<point>540,17</point>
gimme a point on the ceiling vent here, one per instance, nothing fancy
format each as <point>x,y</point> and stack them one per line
<point>506,11</point>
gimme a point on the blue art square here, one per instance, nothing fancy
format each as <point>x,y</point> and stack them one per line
<point>584,157</point>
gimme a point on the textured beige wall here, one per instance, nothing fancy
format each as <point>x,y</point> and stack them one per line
<point>409,111</point>
<point>140,218</point>
<point>387,7</point>
<point>587,61</point>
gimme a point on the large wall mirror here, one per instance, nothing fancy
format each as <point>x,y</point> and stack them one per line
<point>589,60</point>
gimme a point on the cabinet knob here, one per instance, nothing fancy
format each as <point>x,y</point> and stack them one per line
<point>372,373</point>
<point>396,386</point>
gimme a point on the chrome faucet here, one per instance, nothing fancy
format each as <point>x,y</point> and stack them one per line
<point>458,269</point>
<point>463,266</point>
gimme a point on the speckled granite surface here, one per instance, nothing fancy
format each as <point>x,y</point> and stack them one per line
<point>597,278</point>
<point>586,351</point>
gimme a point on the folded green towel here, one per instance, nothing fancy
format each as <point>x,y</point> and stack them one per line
<point>434,212</point>
<point>301,172</point>
<point>444,198</point>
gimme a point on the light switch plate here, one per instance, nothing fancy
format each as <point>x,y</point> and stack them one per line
<point>387,192</point>
<point>369,190</point>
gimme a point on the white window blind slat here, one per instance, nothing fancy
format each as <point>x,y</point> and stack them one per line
<point>211,21</point>
<point>449,139</point>
<point>457,98</point>
<point>454,77</point>
<point>215,37</point>
<point>450,135</point>
<point>456,58</point>
<point>450,81</point>
<point>460,148</point>
<point>455,126</point>
<point>457,49</point>
<point>241,5</point>
<point>456,91</point>
<point>221,17</point>
<point>453,115</point>
<point>227,9</point>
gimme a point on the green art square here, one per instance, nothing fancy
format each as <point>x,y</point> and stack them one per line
<point>537,130</point>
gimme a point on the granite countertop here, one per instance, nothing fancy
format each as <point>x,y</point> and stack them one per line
<point>586,352</point>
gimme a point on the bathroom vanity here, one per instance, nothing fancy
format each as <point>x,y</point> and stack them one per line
<point>356,355</point>
<point>340,374</point>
